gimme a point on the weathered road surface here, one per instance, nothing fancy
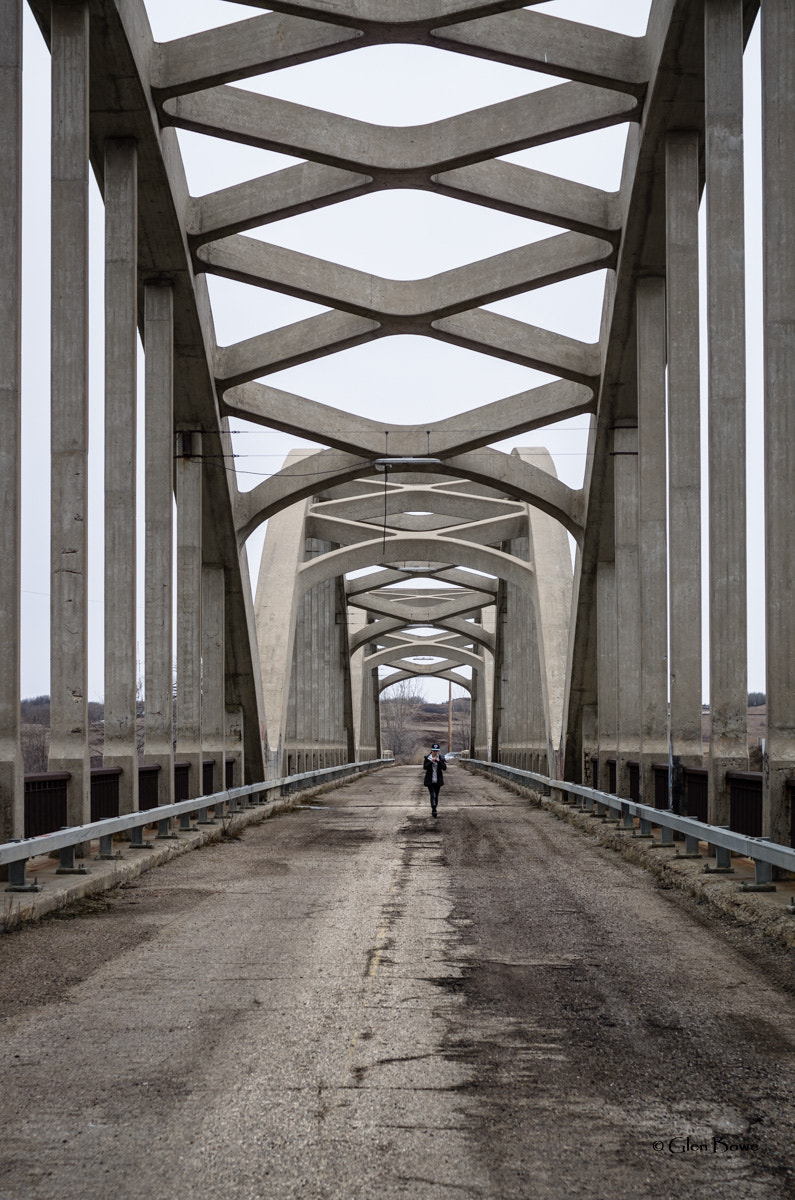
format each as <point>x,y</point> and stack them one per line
<point>355,1001</point>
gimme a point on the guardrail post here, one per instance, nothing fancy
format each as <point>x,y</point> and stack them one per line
<point>17,879</point>
<point>164,829</point>
<point>203,818</point>
<point>645,828</point>
<point>666,838</point>
<point>723,860</point>
<point>763,875</point>
<point>691,847</point>
<point>184,823</point>
<point>106,848</point>
<point>66,865</point>
<point>137,839</point>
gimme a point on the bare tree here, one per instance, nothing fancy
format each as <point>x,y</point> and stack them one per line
<point>400,707</point>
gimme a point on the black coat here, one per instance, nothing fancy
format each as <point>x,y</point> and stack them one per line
<point>441,767</point>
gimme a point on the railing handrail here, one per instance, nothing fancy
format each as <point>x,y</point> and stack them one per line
<point>24,848</point>
<point>757,849</point>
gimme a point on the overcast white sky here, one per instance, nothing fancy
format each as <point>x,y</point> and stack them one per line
<point>398,234</point>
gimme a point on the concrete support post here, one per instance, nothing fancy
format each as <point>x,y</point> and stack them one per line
<point>189,605</point>
<point>684,458</point>
<point>69,406</point>
<point>213,662</point>
<point>607,668</point>
<point>778,132</point>
<point>653,550</point>
<point>12,812</point>
<point>235,745</point>
<point>158,671</point>
<point>723,34</point>
<point>121,351</point>
<point>625,475</point>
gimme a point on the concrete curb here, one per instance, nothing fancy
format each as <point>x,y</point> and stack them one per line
<point>20,908</point>
<point>765,912</point>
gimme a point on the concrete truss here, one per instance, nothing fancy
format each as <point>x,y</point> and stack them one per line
<point>555,600</point>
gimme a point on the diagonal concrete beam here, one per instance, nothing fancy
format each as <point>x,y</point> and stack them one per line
<point>451,656</point>
<point>242,49</point>
<point>417,610</point>
<point>438,504</point>
<point>412,546</point>
<point>534,194</point>
<point>398,676</point>
<point>532,409</point>
<point>536,265</point>
<point>421,14</point>
<point>411,152</point>
<point>504,337</point>
<point>553,46</point>
<point>292,344</point>
<point>271,197</point>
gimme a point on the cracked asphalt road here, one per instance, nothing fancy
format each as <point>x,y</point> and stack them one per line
<point>356,1001</point>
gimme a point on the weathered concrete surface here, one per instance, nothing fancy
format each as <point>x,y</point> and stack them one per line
<point>358,1001</point>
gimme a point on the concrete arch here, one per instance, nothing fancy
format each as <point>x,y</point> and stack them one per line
<point>502,473</point>
<point>397,653</point>
<point>402,547</point>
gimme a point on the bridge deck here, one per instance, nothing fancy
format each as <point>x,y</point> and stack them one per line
<point>357,1001</point>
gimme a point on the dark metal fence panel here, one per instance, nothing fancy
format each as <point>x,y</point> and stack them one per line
<point>181,781</point>
<point>45,803</point>
<point>104,792</point>
<point>634,781</point>
<point>229,773</point>
<point>208,773</point>
<point>696,790</point>
<point>147,786</point>
<point>660,785</point>
<point>595,771</point>
<point>745,798</point>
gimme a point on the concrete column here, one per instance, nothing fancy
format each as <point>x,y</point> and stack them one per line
<point>684,457</point>
<point>235,745</point>
<point>726,314</point>
<point>12,813</point>
<point>158,673</point>
<point>121,351</point>
<point>213,697</point>
<point>69,406</point>
<point>607,667</point>
<point>189,604</point>
<point>653,551</point>
<point>625,475</point>
<point>778,131</point>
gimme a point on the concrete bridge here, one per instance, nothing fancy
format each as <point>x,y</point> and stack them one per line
<point>574,670</point>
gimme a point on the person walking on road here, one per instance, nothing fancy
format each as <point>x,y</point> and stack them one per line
<point>435,767</point>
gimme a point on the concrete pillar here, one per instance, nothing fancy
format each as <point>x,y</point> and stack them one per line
<point>213,697</point>
<point>158,637</point>
<point>121,352</point>
<point>12,813</point>
<point>189,604</point>
<point>723,69</point>
<point>625,475</point>
<point>607,667</point>
<point>778,132</point>
<point>69,406</point>
<point>653,550</point>
<point>684,457</point>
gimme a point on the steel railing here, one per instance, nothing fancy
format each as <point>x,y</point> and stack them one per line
<point>15,854</point>
<point>723,841</point>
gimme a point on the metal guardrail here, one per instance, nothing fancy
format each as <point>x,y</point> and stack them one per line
<point>764,854</point>
<point>15,854</point>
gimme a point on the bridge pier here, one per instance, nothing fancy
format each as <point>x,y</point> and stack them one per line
<point>11,767</point>
<point>69,406</point>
